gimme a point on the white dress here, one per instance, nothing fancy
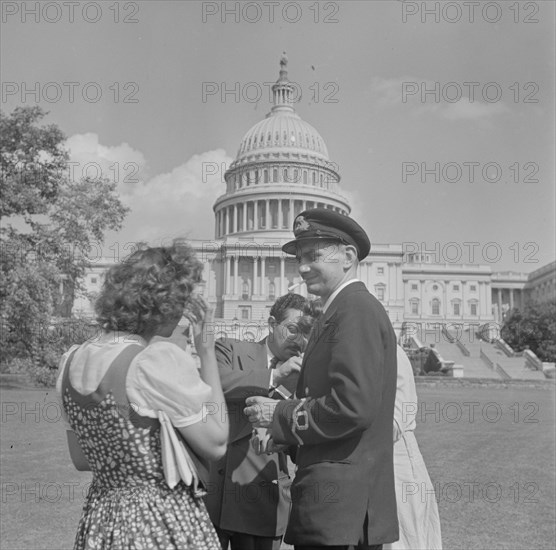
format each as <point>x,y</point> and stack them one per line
<point>416,502</point>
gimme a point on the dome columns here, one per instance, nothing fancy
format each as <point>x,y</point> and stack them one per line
<point>265,214</point>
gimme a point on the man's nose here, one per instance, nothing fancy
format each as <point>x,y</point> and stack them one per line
<point>303,268</point>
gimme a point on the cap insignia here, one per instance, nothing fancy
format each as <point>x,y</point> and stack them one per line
<point>301,224</point>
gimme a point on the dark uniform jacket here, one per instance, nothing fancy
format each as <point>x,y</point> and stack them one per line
<point>247,493</point>
<point>342,417</point>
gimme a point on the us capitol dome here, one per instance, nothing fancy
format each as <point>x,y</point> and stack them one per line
<point>282,167</point>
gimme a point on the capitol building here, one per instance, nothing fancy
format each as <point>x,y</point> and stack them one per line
<point>283,167</point>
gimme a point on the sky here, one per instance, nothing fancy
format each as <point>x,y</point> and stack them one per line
<point>438,115</point>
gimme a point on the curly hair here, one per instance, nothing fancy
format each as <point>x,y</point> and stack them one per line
<point>311,310</point>
<point>148,289</point>
<point>283,303</point>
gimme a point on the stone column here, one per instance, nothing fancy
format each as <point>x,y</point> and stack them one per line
<point>511,298</point>
<point>235,219</point>
<point>446,299</point>
<point>263,275</point>
<point>228,275</point>
<point>245,216</point>
<point>499,301</point>
<point>236,277</point>
<point>422,301</point>
<point>280,220</point>
<point>255,214</point>
<point>267,214</point>
<point>282,275</point>
<point>255,285</point>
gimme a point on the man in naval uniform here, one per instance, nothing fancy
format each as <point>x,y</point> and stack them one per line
<point>342,414</point>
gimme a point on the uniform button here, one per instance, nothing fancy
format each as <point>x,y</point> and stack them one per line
<point>221,471</point>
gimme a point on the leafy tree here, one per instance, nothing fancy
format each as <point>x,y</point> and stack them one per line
<point>48,226</point>
<point>533,328</point>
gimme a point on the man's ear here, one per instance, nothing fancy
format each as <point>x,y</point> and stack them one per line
<point>272,322</point>
<point>351,255</point>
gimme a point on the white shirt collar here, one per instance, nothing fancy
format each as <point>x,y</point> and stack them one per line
<point>269,355</point>
<point>336,292</point>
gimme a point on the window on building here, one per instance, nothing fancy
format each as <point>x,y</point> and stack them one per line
<point>93,280</point>
<point>414,287</point>
<point>380,271</point>
<point>265,176</point>
<point>456,308</point>
<point>245,291</point>
<point>414,307</point>
<point>435,287</point>
<point>380,292</point>
<point>456,287</point>
<point>296,176</point>
<point>285,174</point>
<point>473,308</point>
<point>472,288</point>
<point>275,175</point>
<point>271,291</point>
<point>435,307</point>
<point>245,312</point>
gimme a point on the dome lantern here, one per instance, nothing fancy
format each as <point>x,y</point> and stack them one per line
<point>283,89</point>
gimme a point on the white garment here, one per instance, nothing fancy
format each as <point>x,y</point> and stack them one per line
<point>416,501</point>
<point>161,377</point>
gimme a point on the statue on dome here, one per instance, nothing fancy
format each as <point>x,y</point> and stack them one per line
<point>284,60</point>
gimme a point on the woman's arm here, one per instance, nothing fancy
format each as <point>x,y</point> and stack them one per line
<point>209,437</point>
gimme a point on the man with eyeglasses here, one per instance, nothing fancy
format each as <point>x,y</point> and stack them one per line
<point>248,494</point>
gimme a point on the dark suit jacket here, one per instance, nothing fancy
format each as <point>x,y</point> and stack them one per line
<point>342,418</point>
<point>247,493</point>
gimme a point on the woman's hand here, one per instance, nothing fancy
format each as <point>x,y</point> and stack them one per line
<point>201,316</point>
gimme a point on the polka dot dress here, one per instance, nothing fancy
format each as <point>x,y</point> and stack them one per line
<point>129,504</point>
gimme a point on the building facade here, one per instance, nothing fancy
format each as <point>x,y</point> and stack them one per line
<point>282,168</point>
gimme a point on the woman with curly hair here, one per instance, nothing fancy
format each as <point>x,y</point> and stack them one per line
<point>114,389</point>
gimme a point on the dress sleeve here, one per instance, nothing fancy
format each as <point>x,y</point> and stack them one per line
<point>164,377</point>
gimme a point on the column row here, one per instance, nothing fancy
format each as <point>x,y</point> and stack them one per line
<point>263,215</point>
<point>256,283</point>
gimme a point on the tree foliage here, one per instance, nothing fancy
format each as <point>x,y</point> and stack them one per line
<point>49,224</point>
<point>533,328</point>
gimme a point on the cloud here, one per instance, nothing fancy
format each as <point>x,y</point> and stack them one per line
<point>178,203</point>
<point>464,109</point>
<point>407,93</point>
<point>121,163</point>
<point>164,206</point>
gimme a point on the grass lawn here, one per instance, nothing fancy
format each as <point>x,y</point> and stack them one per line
<point>494,471</point>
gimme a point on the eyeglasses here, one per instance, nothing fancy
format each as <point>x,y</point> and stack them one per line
<point>300,328</point>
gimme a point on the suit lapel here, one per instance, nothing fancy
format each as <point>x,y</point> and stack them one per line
<point>320,326</point>
<point>254,357</point>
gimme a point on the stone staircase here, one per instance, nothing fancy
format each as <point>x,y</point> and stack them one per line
<point>512,367</point>
<point>473,365</point>
<point>482,359</point>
